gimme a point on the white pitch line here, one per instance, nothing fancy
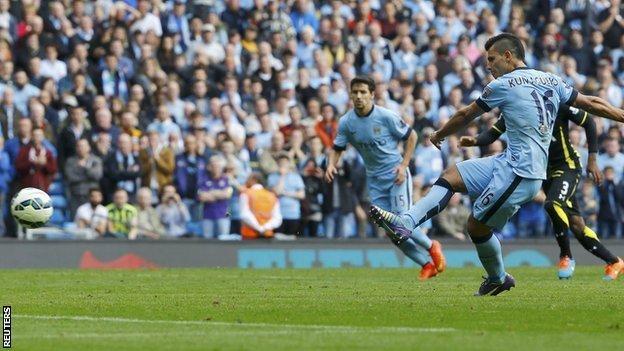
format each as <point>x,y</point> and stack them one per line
<point>150,334</point>
<point>309,327</point>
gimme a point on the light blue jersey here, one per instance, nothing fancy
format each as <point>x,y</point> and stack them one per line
<point>529,101</point>
<point>375,136</point>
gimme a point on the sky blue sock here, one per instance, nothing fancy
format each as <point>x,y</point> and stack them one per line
<point>414,252</point>
<point>491,256</point>
<point>430,205</point>
<point>421,238</point>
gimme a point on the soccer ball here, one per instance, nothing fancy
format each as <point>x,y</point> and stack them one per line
<point>31,207</point>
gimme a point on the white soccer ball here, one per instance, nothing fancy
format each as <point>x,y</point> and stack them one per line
<point>31,207</point>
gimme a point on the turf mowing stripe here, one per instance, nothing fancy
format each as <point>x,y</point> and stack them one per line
<point>332,328</point>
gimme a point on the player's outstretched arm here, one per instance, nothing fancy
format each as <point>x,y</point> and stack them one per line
<point>460,120</point>
<point>408,150</point>
<point>599,107</point>
<point>334,157</point>
<point>587,122</point>
<point>485,138</point>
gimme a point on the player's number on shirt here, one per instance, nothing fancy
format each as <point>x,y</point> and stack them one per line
<point>545,109</point>
<point>399,201</point>
<point>564,190</point>
<point>487,197</point>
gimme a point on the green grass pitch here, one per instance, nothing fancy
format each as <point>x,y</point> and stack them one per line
<point>321,309</point>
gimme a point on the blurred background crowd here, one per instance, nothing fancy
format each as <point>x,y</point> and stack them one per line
<point>201,118</point>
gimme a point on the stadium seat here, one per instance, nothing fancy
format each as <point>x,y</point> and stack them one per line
<point>194,228</point>
<point>56,188</point>
<point>58,217</point>
<point>59,202</point>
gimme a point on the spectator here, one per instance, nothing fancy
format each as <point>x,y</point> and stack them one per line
<point>157,163</point>
<point>23,91</point>
<point>122,217</point>
<point>9,114</point>
<point>428,161</point>
<point>173,213</point>
<point>188,166</point>
<point>609,208</point>
<point>288,186</point>
<point>311,206</point>
<point>6,173</point>
<point>91,217</point>
<point>121,168</point>
<point>35,164</point>
<point>327,128</point>
<point>612,158</point>
<point>338,203</point>
<point>53,67</point>
<point>164,125</point>
<point>82,173</point>
<point>214,193</point>
<point>260,210</point>
<point>75,130</point>
<point>268,159</point>
<point>148,220</point>
<point>452,221</point>
<point>588,204</point>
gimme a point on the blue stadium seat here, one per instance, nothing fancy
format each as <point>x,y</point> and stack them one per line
<point>56,188</point>
<point>58,217</point>
<point>194,228</point>
<point>59,202</point>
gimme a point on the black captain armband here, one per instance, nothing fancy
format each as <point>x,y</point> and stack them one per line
<point>407,135</point>
<point>339,148</point>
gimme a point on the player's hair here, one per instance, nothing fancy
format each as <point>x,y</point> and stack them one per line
<point>94,189</point>
<point>363,80</point>
<point>506,41</point>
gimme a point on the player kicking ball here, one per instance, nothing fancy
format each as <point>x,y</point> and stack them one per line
<point>529,101</point>
<point>564,173</point>
<point>375,132</point>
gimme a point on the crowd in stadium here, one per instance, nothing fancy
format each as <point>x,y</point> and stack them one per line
<point>149,119</point>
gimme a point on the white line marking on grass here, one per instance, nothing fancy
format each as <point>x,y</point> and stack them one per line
<point>307,327</point>
<point>150,334</point>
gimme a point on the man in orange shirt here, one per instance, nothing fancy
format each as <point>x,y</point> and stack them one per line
<point>260,210</point>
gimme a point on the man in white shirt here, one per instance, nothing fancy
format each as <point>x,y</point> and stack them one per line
<point>52,66</point>
<point>91,217</point>
<point>146,21</point>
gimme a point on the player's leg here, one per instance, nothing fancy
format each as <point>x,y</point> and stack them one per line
<point>381,197</point>
<point>401,202</point>
<point>500,200</point>
<point>491,256</point>
<point>589,240</point>
<point>469,176</point>
<point>559,188</point>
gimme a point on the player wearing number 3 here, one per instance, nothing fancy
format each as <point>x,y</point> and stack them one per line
<point>375,132</point>
<point>529,101</point>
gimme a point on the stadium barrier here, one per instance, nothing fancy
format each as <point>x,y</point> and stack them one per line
<point>302,254</point>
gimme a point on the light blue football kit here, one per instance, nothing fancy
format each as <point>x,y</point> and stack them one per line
<point>376,137</point>
<point>529,101</point>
